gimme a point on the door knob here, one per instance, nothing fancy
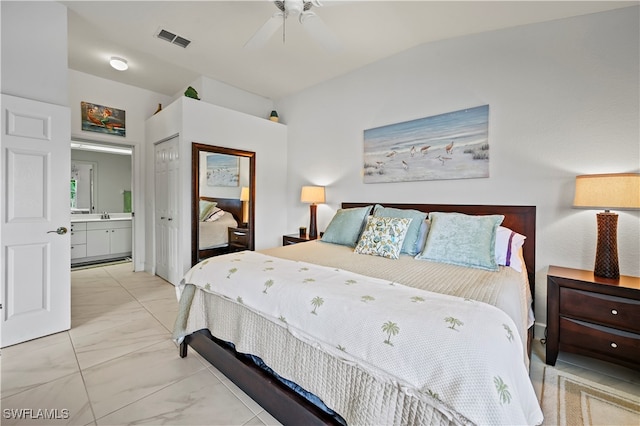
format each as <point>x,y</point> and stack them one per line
<point>60,231</point>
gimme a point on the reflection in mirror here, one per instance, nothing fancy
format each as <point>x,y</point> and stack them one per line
<point>82,186</point>
<point>223,183</point>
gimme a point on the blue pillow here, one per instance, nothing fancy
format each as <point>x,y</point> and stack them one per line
<point>461,239</point>
<point>411,239</point>
<point>346,226</point>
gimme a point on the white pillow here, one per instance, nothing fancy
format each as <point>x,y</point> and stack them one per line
<point>214,214</point>
<point>508,244</point>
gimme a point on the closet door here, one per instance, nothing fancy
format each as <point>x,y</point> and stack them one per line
<point>167,165</point>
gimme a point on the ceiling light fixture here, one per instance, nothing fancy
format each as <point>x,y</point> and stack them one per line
<point>118,63</point>
<point>123,150</point>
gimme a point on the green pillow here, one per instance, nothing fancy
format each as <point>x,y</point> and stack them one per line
<point>346,226</point>
<point>205,206</point>
<point>461,239</point>
<point>409,245</point>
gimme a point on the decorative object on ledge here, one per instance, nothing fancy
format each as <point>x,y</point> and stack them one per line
<point>313,195</point>
<point>158,110</point>
<point>454,145</point>
<point>102,119</point>
<point>274,116</point>
<point>620,191</point>
<point>191,93</point>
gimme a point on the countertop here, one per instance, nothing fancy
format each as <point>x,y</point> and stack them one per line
<point>97,217</point>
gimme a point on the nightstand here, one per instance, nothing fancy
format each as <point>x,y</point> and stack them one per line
<point>238,239</point>
<point>295,239</point>
<point>593,316</point>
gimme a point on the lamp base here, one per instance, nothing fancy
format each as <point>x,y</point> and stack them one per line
<point>606,265</point>
<point>313,229</point>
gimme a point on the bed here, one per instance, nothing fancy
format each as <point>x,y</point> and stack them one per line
<point>405,385</point>
<point>213,236</point>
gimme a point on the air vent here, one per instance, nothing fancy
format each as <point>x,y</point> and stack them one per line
<point>173,38</point>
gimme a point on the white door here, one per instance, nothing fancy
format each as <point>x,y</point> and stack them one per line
<point>34,220</point>
<point>167,165</point>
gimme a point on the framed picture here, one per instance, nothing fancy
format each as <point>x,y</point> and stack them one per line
<point>102,119</point>
<point>454,145</point>
<point>223,170</point>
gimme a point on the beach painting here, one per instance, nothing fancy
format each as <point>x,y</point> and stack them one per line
<point>454,145</point>
<point>223,170</point>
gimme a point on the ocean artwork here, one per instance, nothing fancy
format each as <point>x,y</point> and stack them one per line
<point>222,170</point>
<point>454,145</point>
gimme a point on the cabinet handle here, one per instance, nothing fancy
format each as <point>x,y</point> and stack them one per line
<point>107,231</point>
<point>614,345</point>
<point>170,218</point>
<point>162,217</point>
<point>614,312</point>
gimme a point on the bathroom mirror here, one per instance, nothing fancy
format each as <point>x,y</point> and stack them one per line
<point>223,201</point>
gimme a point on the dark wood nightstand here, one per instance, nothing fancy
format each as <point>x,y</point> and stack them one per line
<point>238,239</point>
<point>593,316</point>
<point>295,239</point>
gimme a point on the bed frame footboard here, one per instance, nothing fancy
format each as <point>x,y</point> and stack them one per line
<point>285,405</point>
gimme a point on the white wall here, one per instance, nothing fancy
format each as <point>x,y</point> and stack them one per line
<point>563,100</point>
<point>219,93</point>
<point>138,104</point>
<point>34,51</point>
<point>112,178</point>
<point>198,121</point>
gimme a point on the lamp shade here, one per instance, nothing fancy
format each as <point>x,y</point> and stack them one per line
<point>620,191</point>
<point>244,193</point>
<point>312,194</point>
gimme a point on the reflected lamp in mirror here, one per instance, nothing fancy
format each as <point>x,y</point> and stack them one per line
<point>312,195</point>
<point>244,197</point>
<point>619,191</point>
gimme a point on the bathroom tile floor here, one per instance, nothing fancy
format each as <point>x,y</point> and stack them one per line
<point>118,365</point>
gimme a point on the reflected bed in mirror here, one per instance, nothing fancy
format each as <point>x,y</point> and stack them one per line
<point>223,183</point>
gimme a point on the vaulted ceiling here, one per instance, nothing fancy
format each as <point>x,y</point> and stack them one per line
<point>290,61</point>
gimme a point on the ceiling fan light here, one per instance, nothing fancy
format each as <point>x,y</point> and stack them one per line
<point>118,63</point>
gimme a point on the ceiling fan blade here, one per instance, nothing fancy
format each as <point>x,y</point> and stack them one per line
<point>319,32</point>
<point>262,36</point>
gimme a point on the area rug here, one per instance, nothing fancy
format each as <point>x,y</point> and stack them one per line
<point>571,400</point>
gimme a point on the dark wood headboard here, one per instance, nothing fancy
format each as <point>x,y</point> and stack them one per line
<point>231,205</point>
<point>521,219</point>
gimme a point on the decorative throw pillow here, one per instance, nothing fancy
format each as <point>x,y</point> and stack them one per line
<point>461,239</point>
<point>346,226</point>
<point>410,241</point>
<point>383,236</point>
<point>508,244</point>
<point>205,206</point>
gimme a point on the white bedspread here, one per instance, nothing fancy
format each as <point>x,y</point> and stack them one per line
<point>464,354</point>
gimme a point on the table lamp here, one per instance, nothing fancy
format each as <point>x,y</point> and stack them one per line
<point>313,195</point>
<point>620,191</point>
<point>244,197</point>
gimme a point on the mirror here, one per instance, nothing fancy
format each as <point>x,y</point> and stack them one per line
<point>223,201</point>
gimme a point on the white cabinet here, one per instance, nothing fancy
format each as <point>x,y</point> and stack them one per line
<point>98,240</point>
<point>78,240</point>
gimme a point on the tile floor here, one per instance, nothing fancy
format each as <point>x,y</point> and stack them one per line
<point>117,365</point>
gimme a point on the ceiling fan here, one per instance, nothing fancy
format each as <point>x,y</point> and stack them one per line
<point>311,22</point>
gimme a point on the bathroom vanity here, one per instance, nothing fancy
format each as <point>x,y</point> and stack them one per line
<point>97,239</point>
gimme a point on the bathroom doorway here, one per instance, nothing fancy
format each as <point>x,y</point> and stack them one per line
<point>102,201</point>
